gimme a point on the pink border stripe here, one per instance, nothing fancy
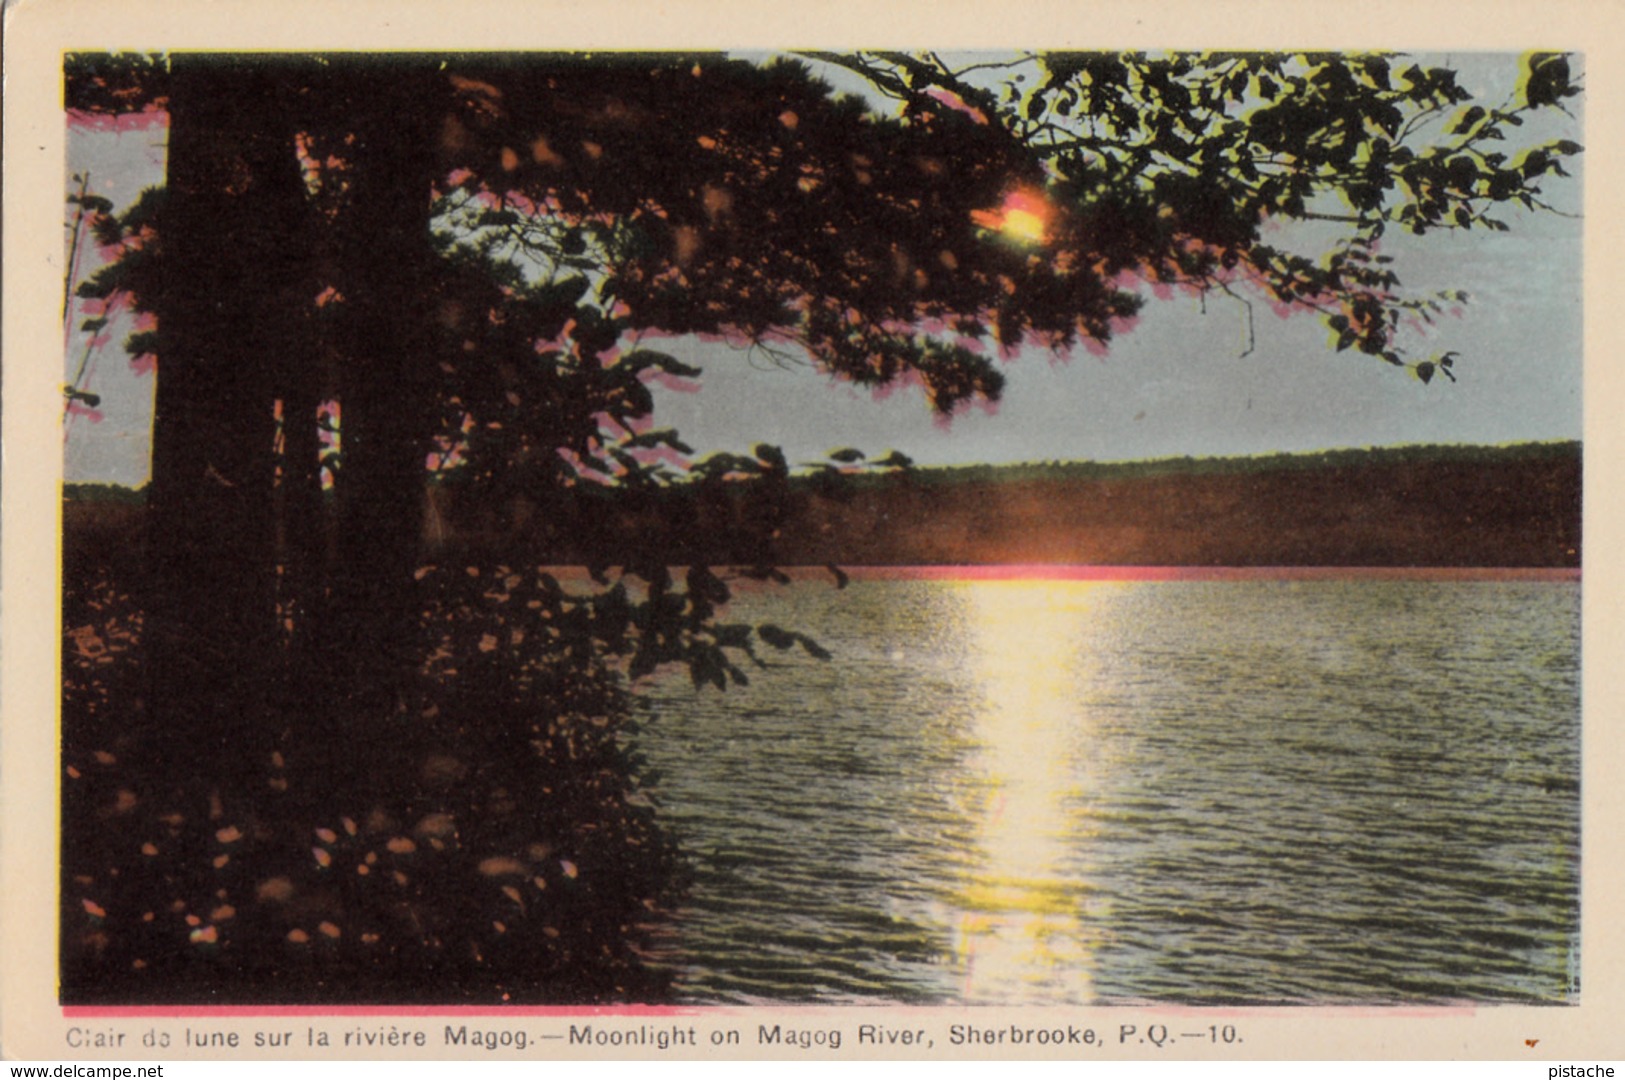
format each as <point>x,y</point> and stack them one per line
<point>226,1012</point>
<point>1084,572</point>
<point>223,1012</point>
<point>1054,572</point>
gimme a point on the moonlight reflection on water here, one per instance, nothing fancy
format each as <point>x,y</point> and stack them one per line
<point>1076,791</point>
<point>1021,930</point>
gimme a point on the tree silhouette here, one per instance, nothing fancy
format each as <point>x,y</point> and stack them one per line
<point>474,255</point>
<point>1173,164</point>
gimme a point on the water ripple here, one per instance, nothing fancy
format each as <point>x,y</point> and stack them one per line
<point>1076,792</point>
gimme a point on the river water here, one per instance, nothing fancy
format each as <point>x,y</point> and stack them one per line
<point>1066,791</point>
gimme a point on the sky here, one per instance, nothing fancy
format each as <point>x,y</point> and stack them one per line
<point>1182,382</point>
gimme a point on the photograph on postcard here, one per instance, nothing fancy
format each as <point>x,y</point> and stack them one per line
<point>1002,528</point>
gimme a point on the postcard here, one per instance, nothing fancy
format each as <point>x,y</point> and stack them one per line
<point>700,532</point>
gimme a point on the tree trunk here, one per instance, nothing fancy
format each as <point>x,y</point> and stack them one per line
<point>302,527</point>
<point>228,542</point>
<point>226,307</point>
<point>387,393</point>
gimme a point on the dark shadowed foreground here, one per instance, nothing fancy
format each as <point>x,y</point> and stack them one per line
<point>495,848</point>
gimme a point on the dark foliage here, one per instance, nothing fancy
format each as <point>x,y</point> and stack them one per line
<point>500,846</point>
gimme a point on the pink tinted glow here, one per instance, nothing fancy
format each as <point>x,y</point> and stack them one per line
<point>675,383</point>
<point>1026,201</point>
<point>98,308</point>
<point>117,123</point>
<point>660,455</point>
<point>908,379</point>
<point>1222,1012</point>
<point>639,424</point>
<point>585,471</point>
<point>956,103</point>
<point>654,333</point>
<point>438,460</point>
<point>333,412</point>
<point>516,201</point>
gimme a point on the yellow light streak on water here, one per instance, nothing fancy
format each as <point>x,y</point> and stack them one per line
<point>1022,930</point>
